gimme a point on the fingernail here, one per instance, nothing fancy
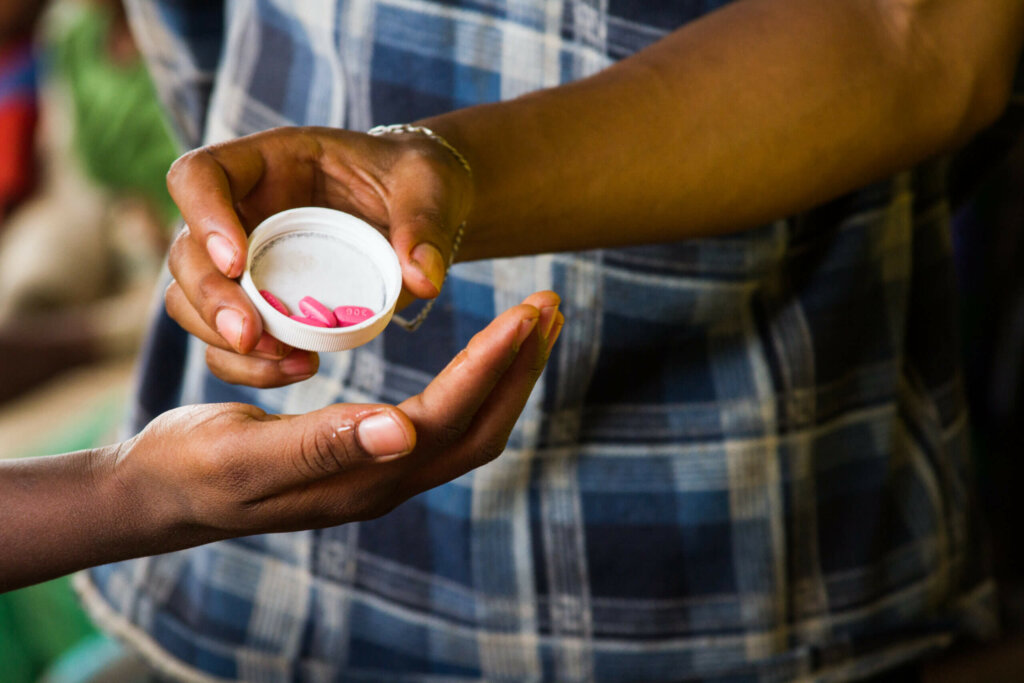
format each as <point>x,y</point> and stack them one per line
<point>229,324</point>
<point>381,435</point>
<point>429,261</point>
<point>299,364</point>
<point>525,328</point>
<point>547,319</point>
<point>556,330</point>
<point>222,252</point>
<point>271,346</point>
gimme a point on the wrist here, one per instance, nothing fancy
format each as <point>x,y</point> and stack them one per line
<point>429,144</point>
<point>152,511</point>
<point>426,132</point>
<point>68,512</point>
<point>460,129</point>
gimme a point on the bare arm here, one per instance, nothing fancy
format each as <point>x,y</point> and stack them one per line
<point>203,473</point>
<point>753,112</point>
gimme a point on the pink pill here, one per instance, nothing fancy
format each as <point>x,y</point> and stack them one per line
<point>352,315</point>
<point>275,302</point>
<point>315,322</point>
<point>314,309</point>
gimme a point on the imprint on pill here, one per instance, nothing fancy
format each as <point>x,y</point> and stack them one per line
<point>352,315</point>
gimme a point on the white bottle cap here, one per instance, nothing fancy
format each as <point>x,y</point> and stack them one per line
<point>332,256</point>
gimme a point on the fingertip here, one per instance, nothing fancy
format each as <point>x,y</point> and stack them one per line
<point>230,324</point>
<point>253,326</point>
<point>427,261</point>
<point>514,325</point>
<point>556,331</point>
<point>543,299</point>
<point>416,284</point>
<point>241,330</point>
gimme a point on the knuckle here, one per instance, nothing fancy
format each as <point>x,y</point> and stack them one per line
<point>208,286</point>
<point>260,373</point>
<point>171,297</point>
<point>461,357</point>
<point>488,373</point>
<point>243,371</point>
<point>494,374</point>
<point>429,217</point>
<point>175,304</point>
<point>324,452</point>
<point>177,251</point>
<point>449,434</point>
<point>174,174</point>
<point>492,446</point>
<point>180,168</point>
<point>537,366</point>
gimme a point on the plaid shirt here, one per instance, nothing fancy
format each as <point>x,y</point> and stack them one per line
<point>746,461</point>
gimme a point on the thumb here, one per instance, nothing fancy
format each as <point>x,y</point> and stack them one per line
<point>422,241</point>
<point>304,448</point>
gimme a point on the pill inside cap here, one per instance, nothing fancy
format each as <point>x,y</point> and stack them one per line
<point>314,263</point>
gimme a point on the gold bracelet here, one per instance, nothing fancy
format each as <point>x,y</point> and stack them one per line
<point>399,128</point>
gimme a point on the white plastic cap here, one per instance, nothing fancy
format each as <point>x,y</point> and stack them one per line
<point>332,256</point>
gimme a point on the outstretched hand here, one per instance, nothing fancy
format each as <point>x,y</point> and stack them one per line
<point>237,470</point>
<point>208,472</point>
<point>408,186</point>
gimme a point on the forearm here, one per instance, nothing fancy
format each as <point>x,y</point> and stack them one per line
<point>758,110</point>
<point>67,512</point>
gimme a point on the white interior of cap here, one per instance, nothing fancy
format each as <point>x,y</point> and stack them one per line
<point>332,270</point>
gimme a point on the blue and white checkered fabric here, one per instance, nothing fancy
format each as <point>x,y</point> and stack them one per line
<point>747,460</point>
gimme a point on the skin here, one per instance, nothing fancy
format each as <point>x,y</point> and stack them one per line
<point>208,472</point>
<point>755,111</point>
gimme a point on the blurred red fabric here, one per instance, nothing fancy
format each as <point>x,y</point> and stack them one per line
<point>19,114</point>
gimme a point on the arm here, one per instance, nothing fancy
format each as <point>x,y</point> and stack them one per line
<point>204,473</point>
<point>756,111</point>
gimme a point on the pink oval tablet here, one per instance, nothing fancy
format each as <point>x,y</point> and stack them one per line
<point>275,302</point>
<point>314,309</point>
<point>315,322</point>
<point>352,315</point>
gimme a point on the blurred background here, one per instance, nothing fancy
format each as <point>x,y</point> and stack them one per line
<point>85,220</point>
